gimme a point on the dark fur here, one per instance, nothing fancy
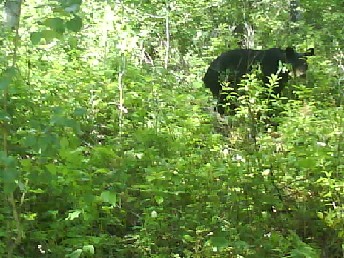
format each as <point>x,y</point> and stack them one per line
<point>236,63</point>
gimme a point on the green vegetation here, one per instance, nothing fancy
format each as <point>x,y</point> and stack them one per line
<point>110,148</point>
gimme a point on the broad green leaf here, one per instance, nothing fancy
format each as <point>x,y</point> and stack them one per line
<point>109,197</point>
<point>9,177</point>
<point>4,83</point>
<point>50,35</point>
<point>76,254</point>
<point>64,143</point>
<point>56,24</point>
<point>74,24</point>
<point>219,242</point>
<point>188,238</point>
<point>7,77</point>
<point>88,249</point>
<point>80,111</point>
<point>73,215</point>
<point>51,168</point>
<point>159,199</point>
<point>154,214</point>
<point>9,187</point>
<point>35,37</point>
<point>47,35</point>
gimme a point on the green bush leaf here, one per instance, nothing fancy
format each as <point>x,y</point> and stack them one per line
<point>109,197</point>
<point>35,37</point>
<point>88,249</point>
<point>76,254</point>
<point>56,24</point>
<point>73,215</point>
<point>74,24</point>
<point>219,241</point>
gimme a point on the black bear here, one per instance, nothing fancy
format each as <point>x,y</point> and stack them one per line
<point>236,63</point>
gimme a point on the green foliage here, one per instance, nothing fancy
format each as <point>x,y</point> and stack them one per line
<point>109,148</point>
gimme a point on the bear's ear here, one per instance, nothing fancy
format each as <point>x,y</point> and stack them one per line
<point>290,52</point>
<point>310,52</point>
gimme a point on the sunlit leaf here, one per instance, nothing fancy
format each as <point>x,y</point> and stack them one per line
<point>73,215</point>
<point>109,197</point>
<point>88,249</point>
